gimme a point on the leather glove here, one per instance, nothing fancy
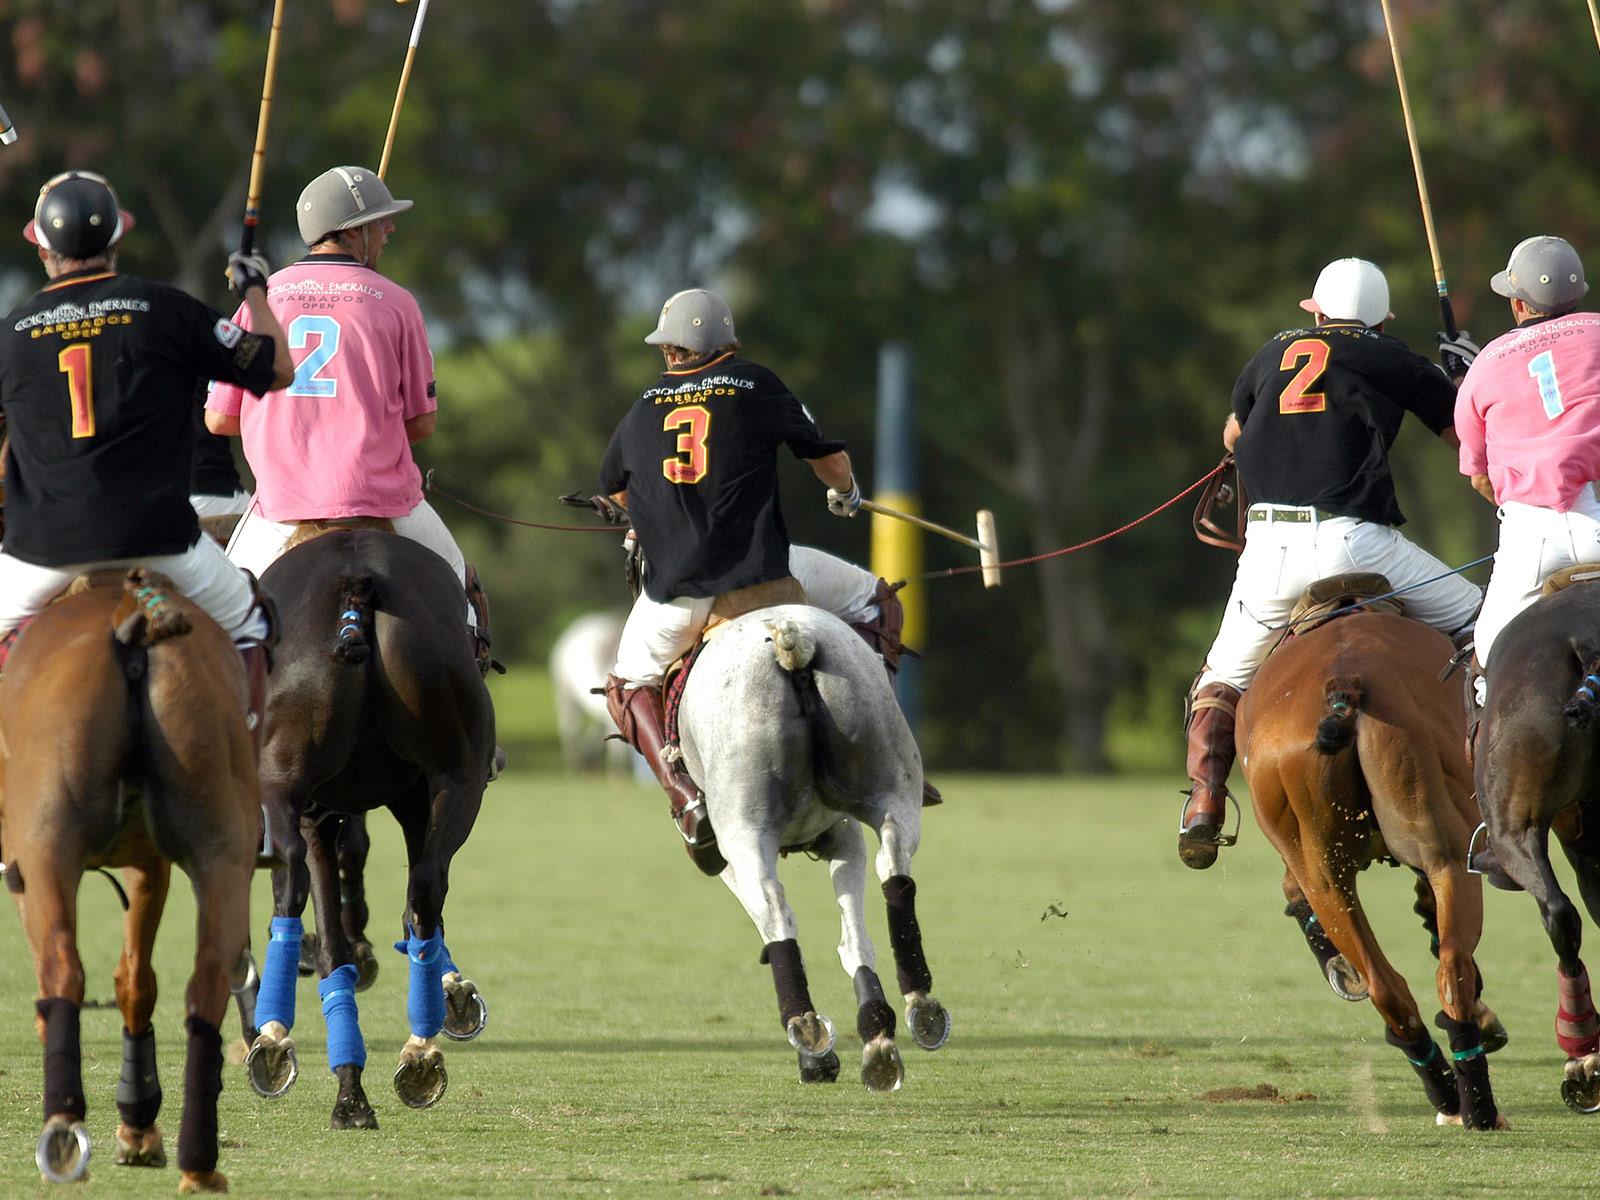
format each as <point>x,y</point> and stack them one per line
<point>1457,353</point>
<point>246,271</point>
<point>609,510</point>
<point>845,504</point>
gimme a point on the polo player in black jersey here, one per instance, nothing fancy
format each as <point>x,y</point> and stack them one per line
<point>1314,415</point>
<point>99,373</point>
<point>695,464</point>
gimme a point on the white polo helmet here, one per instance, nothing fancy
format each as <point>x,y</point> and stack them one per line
<point>1350,289</point>
<point>343,198</point>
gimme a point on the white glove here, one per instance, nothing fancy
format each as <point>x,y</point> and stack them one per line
<point>845,504</point>
<point>1457,353</point>
<point>246,271</point>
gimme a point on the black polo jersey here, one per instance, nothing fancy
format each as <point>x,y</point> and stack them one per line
<point>1320,408</point>
<point>214,472</point>
<point>697,455</point>
<point>97,381</point>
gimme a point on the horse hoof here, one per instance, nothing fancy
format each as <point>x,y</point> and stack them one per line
<point>420,1081</point>
<point>929,1022</point>
<point>465,1012</point>
<point>136,1149</point>
<point>1494,1033</point>
<point>353,1112</point>
<point>820,1070</point>
<point>63,1151</point>
<point>308,954</point>
<point>366,964</point>
<point>811,1034</point>
<point>881,1068</point>
<point>1442,1119</point>
<point>1345,980</point>
<point>202,1181</point>
<point>271,1066</point>
<point>1580,1087</point>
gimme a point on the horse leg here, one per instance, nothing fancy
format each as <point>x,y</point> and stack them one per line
<point>899,828</point>
<point>50,920</point>
<point>272,1065</point>
<point>1343,978</point>
<point>354,845</point>
<point>139,1089</point>
<point>1460,921</point>
<point>347,1052</point>
<point>433,832</point>
<point>881,1067</point>
<point>222,901</point>
<point>1427,907</point>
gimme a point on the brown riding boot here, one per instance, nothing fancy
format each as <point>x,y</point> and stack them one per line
<point>1211,753</point>
<point>641,719</point>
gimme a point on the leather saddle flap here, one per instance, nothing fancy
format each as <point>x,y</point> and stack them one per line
<point>1567,576</point>
<point>1326,596</point>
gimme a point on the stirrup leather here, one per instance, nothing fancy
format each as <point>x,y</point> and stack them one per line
<point>1223,838</point>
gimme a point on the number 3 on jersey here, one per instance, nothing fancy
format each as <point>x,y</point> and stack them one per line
<point>693,459</point>
<point>77,364</point>
<point>1311,355</point>
<point>308,379</point>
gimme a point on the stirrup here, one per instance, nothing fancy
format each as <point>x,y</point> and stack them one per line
<point>1473,849</point>
<point>1496,876</point>
<point>1223,838</point>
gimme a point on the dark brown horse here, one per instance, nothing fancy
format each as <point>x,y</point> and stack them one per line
<point>122,712</point>
<point>1538,772</point>
<point>376,701</point>
<point>1352,749</point>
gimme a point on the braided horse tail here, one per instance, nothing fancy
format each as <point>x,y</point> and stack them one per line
<point>353,644</point>
<point>146,614</point>
<point>1585,699</point>
<point>1343,696</point>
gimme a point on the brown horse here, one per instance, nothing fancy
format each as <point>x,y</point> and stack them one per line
<point>1352,749</point>
<point>122,725</point>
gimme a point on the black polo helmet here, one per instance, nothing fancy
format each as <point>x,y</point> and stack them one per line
<point>77,216</point>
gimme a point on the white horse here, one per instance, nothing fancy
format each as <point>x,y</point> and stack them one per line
<point>790,726</point>
<point>580,660</point>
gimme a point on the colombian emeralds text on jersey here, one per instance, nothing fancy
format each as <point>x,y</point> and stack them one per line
<point>697,455</point>
<point>98,378</point>
<point>1320,407</point>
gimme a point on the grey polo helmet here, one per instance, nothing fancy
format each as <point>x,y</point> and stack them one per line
<point>343,198</point>
<point>697,320</point>
<point>1545,272</point>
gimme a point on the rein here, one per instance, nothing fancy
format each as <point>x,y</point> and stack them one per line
<point>429,486</point>
<point>952,572</point>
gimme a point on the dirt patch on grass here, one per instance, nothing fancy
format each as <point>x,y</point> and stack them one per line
<point>1261,1091</point>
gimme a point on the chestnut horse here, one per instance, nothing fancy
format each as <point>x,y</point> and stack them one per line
<point>1538,772</point>
<point>1352,747</point>
<point>122,717</point>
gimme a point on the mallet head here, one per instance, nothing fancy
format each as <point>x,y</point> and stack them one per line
<point>988,549</point>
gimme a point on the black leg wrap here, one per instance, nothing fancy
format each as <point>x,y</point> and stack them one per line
<point>1315,937</point>
<point>873,1013</point>
<point>1438,1080</point>
<point>63,1058</point>
<point>789,978</point>
<point>905,936</point>
<point>1478,1109</point>
<point>202,1084</point>
<point>139,1089</point>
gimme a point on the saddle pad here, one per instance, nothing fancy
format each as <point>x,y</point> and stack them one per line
<point>672,691</point>
<point>1326,596</point>
<point>1567,576</point>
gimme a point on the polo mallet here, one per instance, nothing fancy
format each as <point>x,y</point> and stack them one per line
<point>1594,18</point>
<point>258,160</point>
<point>1422,181</point>
<point>405,78</point>
<point>8,131</point>
<point>987,544</point>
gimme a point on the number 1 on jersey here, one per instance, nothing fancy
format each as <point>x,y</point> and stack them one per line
<point>693,458</point>
<point>77,364</point>
<point>1542,367</point>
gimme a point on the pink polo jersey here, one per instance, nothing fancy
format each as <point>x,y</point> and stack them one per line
<point>333,443</point>
<point>1528,412</point>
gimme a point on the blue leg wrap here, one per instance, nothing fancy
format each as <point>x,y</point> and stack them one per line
<point>275,1001</point>
<point>448,965</point>
<point>345,1045</point>
<point>425,997</point>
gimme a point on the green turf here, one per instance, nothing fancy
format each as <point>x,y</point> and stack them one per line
<point>634,1049</point>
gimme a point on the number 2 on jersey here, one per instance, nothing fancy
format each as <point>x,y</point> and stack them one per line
<point>308,380</point>
<point>1311,354</point>
<point>1542,367</point>
<point>77,364</point>
<point>692,461</point>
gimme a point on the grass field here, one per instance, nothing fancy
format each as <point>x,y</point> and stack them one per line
<point>634,1049</point>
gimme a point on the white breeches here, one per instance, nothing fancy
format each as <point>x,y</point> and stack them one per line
<point>657,634</point>
<point>202,573</point>
<point>1535,543</point>
<point>1281,558</point>
<point>257,542</point>
<point>219,506</point>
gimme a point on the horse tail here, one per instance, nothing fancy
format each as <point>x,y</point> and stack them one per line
<point>795,646</point>
<point>146,614</point>
<point>353,643</point>
<point>1343,698</point>
<point>1585,699</point>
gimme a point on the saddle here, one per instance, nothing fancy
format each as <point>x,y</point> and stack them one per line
<point>145,602</point>
<point>304,531</point>
<point>1567,576</point>
<point>1326,599</point>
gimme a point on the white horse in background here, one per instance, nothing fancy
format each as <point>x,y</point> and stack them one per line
<point>580,660</point>
<point>791,728</point>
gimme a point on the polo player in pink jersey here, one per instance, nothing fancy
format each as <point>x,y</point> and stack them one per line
<point>336,443</point>
<point>1528,415</point>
